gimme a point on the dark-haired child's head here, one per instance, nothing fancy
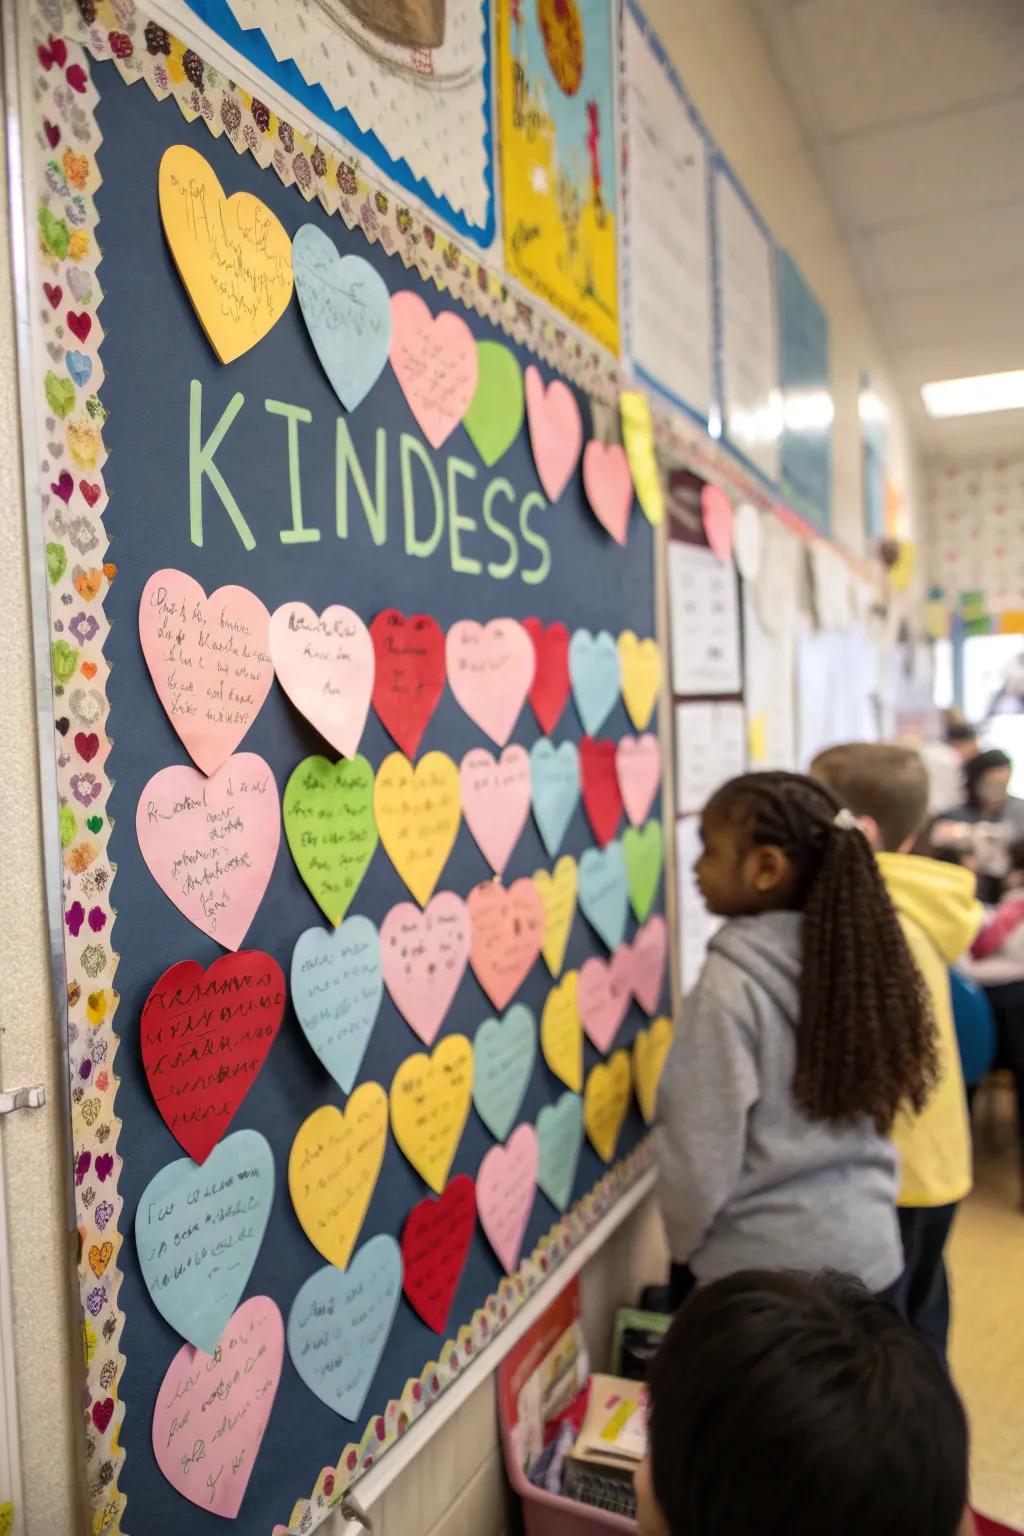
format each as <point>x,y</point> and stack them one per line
<point>884,785</point>
<point>789,1405</point>
<point>987,782</point>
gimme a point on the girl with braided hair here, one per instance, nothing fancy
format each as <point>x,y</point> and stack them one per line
<point>808,1029</point>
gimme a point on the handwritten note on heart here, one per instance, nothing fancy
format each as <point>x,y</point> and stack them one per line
<point>638,766</point>
<point>549,692</point>
<point>221,1403</point>
<point>558,893</point>
<point>424,955</point>
<point>560,1141</point>
<point>490,669</point>
<point>508,931</point>
<point>650,1048</point>
<point>347,309</point>
<point>337,986</point>
<point>495,413</point>
<point>209,658</point>
<point>606,1103</point>
<point>435,1246</point>
<point>339,1325</point>
<point>198,1231</point>
<point>233,255</point>
<point>650,956</point>
<point>640,661</point>
<point>604,995</point>
<point>594,668</point>
<point>430,1098</point>
<point>435,363</point>
<point>204,1037</point>
<point>409,677</point>
<point>210,843</point>
<point>602,797</point>
<point>561,1033</point>
<point>496,800</point>
<point>333,1168</point>
<point>604,892</point>
<point>325,665</point>
<point>609,487</point>
<point>418,812</point>
<point>638,435</point>
<point>644,851</point>
<point>556,431</point>
<point>505,1188</point>
<point>330,827</point>
<point>503,1055</point>
<point>555,786</point>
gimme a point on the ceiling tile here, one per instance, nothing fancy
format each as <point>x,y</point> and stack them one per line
<point>951,251</point>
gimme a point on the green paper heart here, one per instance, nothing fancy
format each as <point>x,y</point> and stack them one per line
<point>64,661</point>
<point>68,826</point>
<point>94,824</point>
<point>495,413</point>
<point>55,234</point>
<point>328,821</point>
<point>56,562</point>
<point>644,851</point>
<point>60,394</point>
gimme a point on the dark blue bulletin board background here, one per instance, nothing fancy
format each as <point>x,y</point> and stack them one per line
<point>153,348</point>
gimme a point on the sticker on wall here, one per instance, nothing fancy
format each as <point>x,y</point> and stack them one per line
<point>409,677</point>
<point>333,1168</point>
<point>435,1247</point>
<point>347,309</point>
<point>558,893</point>
<point>435,362</point>
<point>325,664</point>
<point>506,1186</point>
<point>556,431</point>
<point>337,985</point>
<point>430,1099</point>
<point>549,691</point>
<point>418,812</point>
<point>496,800</point>
<point>606,1104</point>
<point>555,788</point>
<point>561,1033</point>
<point>503,1055</point>
<point>424,955</point>
<point>507,934</point>
<point>340,1323</point>
<point>494,418</point>
<point>559,1142</point>
<point>650,1049</point>
<point>490,669</point>
<point>330,827</point>
<point>641,677</point>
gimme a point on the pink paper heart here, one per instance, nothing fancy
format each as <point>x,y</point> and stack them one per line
<point>603,995</point>
<point>556,431</point>
<point>609,486</point>
<point>210,843</point>
<point>188,640</point>
<point>716,511</point>
<point>496,800</point>
<point>221,1403</point>
<point>650,955</point>
<point>490,669</point>
<point>326,667</point>
<point>638,768</point>
<point>508,931</point>
<point>435,363</point>
<point>423,956</point>
<point>505,1188</point>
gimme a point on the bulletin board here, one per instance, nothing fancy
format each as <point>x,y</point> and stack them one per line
<point>156,457</point>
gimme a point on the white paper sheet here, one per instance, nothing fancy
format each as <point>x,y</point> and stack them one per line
<point>836,690</point>
<point>769,689</point>
<point>750,352</point>
<point>710,748</point>
<point>696,925</point>
<point>704,617</point>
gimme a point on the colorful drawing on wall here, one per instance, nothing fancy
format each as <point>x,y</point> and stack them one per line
<point>557,127</point>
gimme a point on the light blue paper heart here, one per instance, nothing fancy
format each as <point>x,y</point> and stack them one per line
<point>555,789</point>
<point>337,986</point>
<point>79,367</point>
<point>560,1137</point>
<point>503,1056</point>
<point>604,892</point>
<point>198,1231</point>
<point>595,674</point>
<point>340,1321</point>
<point>347,310</point>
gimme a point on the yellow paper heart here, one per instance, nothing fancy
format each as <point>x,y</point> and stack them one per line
<point>561,1033</point>
<point>233,255</point>
<point>605,1102</point>
<point>333,1169</point>
<point>417,811</point>
<point>640,666</point>
<point>638,436</point>
<point>430,1098</point>
<point>649,1051</point>
<point>558,893</point>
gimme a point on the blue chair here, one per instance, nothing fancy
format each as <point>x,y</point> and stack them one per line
<point>975,1027</point>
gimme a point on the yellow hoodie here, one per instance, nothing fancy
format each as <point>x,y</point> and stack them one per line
<point>939,917</point>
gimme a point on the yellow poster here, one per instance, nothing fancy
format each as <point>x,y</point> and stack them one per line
<point>556,124</point>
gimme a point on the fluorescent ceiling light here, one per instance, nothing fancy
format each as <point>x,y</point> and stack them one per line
<point>972,397</point>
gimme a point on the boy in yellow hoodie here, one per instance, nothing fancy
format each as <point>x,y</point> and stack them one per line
<point>886,787</point>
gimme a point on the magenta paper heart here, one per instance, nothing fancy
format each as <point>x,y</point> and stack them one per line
<point>423,956</point>
<point>490,669</point>
<point>496,800</point>
<point>210,843</point>
<point>603,995</point>
<point>435,363</point>
<point>505,1188</point>
<point>209,658</point>
<point>508,931</point>
<point>638,768</point>
<point>326,667</point>
<point>556,431</point>
<point>609,486</point>
<point>650,955</point>
<point>221,1402</point>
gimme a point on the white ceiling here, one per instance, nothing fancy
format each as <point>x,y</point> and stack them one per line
<point>915,112</point>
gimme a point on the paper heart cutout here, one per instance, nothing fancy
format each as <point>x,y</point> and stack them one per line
<point>418,812</point>
<point>337,985</point>
<point>643,850</point>
<point>609,487</point>
<point>210,843</point>
<point>495,413</point>
<point>638,768</point>
<point>333,1168</point>
<point>330,827</point>
<point>556,431</point>
<point>503,1056</point>
<point>209,658</point>
<point>602,797</point>
<point>435,363</point>
<point>198,1232</point>
<point>604,994</point>
<point>347,309</point>
<point>204,1036</point>
<point>638,436</point>
<point>606,1103</point>
<point>560,1141</point>
<point>430,1098</point>
<point>506,1186</point>
<point>650,957</point>
<point>549,691</point>
<point>640,662</point>
<point>748,540</point>
<point>717,517</point>
<point>435,1247</point>
<point>241,1380</point>
<point>79,325</point>
<point>508,930</point>
<point>555,789</point>
<point>561,1033</point>
<point>339,1325</point>
<point>604,892</point>
<point>409,677</point>
<point>650,1049</point>
<point>496,800</point>
<point>595,673</point>
<point>325,665</point>
<point>233,254</point>
<point>490,669</point>
<point>424,955</point>
<point>558,893</point>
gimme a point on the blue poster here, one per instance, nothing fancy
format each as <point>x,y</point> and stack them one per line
<point>807,410</point>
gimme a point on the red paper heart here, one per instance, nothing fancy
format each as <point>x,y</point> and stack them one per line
<point>551,679</point>
<point>409,674</point>
<point>52,133</point>
<point>102,1413</point>
<point>54,293</point>
<point>89,491</point>
<point>87,745</point>
<point>54,52</point>
<point>205,1036</point>
<point>435,1246</point>
<point>602,797</point>
<point>77,78</point>
<point>81,324</point>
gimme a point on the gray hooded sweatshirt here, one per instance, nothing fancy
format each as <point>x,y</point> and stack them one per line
<point>746,1180</point>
